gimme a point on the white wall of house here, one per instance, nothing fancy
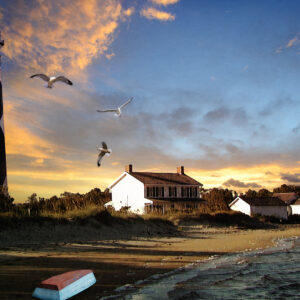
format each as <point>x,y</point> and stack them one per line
<point>129,192</point>
<point>295,209</point>
<point>276,211</point>
<point>241,205</point>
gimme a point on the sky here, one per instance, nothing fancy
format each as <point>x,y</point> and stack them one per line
<point>214,85</point>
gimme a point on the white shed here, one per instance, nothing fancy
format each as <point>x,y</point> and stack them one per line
<point>296,208</point>
<point>270,206</point>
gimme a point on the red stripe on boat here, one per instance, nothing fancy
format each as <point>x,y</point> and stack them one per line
<point>59,282</point>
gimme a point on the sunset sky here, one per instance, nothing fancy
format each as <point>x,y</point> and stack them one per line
<point>215,86</point>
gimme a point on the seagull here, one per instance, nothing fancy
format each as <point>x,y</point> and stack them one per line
<point>117,111</point>
<point>51,80</point>
<point>103,151</point>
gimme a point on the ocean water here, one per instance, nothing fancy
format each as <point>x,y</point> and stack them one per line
<point>272,273</point>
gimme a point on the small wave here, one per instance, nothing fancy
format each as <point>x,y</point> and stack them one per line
<point>258,273</point>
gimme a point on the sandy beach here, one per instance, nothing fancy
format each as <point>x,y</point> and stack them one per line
<point>120,260</point>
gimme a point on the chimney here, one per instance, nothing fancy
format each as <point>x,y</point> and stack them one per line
<point>128,168</point>
<point>180,170</point>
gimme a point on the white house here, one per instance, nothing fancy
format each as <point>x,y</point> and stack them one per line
<point>142,192</point>
<point>296,207</point>
<point>269,206</point>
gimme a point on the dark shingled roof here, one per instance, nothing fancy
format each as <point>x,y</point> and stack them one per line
<point>297,202</point>
<point>164,178</point>
<point>288,198</point>
<point>266,201</point>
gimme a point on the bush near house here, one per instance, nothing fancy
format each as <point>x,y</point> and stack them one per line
<point>64,204</point>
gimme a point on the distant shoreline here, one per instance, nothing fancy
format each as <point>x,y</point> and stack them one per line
<point>117,254</point>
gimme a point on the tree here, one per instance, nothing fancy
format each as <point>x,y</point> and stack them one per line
<point>6,202</point>
<point>251,194</point>
<point>32,200</point>
<point>218,199</point>
<point>264,193</point>
<point>287,189</point>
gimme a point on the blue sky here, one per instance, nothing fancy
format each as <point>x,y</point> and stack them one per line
<point>215,89</point>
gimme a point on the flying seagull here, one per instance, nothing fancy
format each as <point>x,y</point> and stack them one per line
<point>103,151</point>
<point>117,111</point>
<point>51,80</point>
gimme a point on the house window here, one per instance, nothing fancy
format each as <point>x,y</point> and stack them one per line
<point>189,192</point>
<point>172,191</point>
<point>155,191</point>
<point>194,192</point>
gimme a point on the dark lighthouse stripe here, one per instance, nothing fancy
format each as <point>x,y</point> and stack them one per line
<point>3,180</point>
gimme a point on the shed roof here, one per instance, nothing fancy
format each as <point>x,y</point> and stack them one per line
<point>297,202</point>
<point>164,178</point>
<point>288,198</point>
<point>265,201</point>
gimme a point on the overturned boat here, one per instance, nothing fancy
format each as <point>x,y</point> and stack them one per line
<point>64,286</point>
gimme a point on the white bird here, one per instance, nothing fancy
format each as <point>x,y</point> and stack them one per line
<point>117,111</point>
<point>103,151</point>
<point>51,80</point>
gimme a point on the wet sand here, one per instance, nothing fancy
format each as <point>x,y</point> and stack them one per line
<point>117,262</point>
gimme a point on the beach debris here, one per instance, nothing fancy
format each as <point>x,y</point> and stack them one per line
<point>104,150</point>
<point>64,286</point>
<point>50,80</point>
<point>117,111</point>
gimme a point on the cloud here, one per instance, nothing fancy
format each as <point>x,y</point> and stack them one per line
<point>291,43</point>
<point>279,50</point>
<point>239,184</point>
<point>57,35</point>
<point>232,148</point>
<point>224,113</point>
<point>153,13</point>
<point>129,12</point>
<point>296,129</point>
<point>110,56</point>
<point>294,178</point>
<point>278,105</point>
<point>164,2</point>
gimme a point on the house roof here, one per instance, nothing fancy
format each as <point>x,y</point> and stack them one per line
<point>297,202</point>
<point>164,178</point>
<point>288,198</point>
<point>265,201</point>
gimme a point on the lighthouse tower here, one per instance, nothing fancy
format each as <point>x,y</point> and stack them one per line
<point>3,179</point>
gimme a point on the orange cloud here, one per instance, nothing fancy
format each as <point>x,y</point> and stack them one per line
<point>268,176</point>
<point>58,35</point>
<point>153,13</point>
<point>164,2</point>
<point>292,42</point>
<point>110,56</point>
<point>129,12</point>
<point>20,140</point>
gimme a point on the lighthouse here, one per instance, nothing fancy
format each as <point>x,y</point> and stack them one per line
<point>3,178</point>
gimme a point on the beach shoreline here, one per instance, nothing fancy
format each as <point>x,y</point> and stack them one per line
<point>120,261</point>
